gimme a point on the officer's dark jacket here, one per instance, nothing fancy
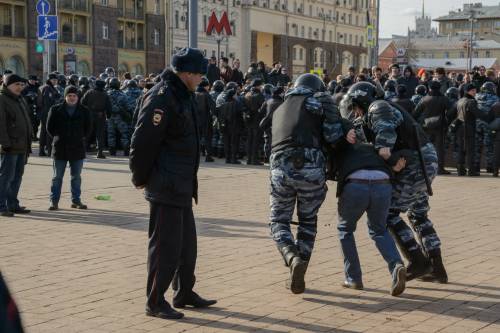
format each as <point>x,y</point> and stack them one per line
<point>360,156</point>
<point>98,102</point>
<point>431,111</point>
<point>206,108</point>
<point>230,110</point>
<point>495,119</point>
<point>15,125</point>
<point>468,112</point>
<point>69,132</point>
<point>164,154</point>
<point>405,103</point>
<point>253,102</point>
<point>268,109</point>
<point>49,96</point>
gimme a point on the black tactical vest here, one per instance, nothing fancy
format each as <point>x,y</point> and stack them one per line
<point>294,126</point>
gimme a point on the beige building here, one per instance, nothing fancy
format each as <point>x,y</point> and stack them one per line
<point>457,23</point>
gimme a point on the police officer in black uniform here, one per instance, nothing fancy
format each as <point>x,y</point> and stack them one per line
<point>164,159</point>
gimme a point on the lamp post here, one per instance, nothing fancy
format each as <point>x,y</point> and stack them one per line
<point>472,20</point>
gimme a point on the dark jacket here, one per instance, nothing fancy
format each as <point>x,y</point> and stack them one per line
<point>253,102</point>
<point>431,111</point>
<point>206,109</point>
<point>237,76</point>
<point>411,83</point>
<point>164,154</point>
<point>98,102</point>
<point>15,125</point>
<point>10,321</point>
<point>49,96</point>
<point>267,110</point>
<point>405,103</point>
<point>467,113</point>
<point>69,132</point>
<point>213,73</point>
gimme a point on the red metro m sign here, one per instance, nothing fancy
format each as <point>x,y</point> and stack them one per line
<point>218,26</point>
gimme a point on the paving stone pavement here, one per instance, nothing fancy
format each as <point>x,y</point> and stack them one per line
<point>85,271</point>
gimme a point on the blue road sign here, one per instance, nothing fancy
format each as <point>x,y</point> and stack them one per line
<point>47,27</point>
<point>43,7</point>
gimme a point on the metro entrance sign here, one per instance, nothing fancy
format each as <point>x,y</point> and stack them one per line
<point>218,26</point>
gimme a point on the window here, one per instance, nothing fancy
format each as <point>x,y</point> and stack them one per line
<point>104,2</point>
<point>302,31</point>
<point>356,40</point>
<point>350,39</point>
<point>301,54</point>
<point>349,18</point>
<point>213,53</point>
<point>462,54</point>
<point>488,55</point>
<point>294,53</point>
<point>446,55</point>
<point>330,36</point>
<point>309,33</point>
<point>157,7</point>
<point>156,37</point>
<point>105,31</point>
<point>176,19</point>
<point>476,54</point>
<point>357,20</point>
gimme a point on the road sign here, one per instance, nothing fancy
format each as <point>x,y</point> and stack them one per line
<point>370,35</point>
<point>43,7</point>
<point>47,27</point>
<point>401,52</point>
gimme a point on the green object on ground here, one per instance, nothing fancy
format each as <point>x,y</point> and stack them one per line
<point>104,197</point>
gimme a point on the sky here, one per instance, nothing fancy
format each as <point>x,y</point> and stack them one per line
<point>397,15</point>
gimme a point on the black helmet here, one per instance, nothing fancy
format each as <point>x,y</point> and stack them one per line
<point>390,85</point>
<point>204,82</point>
<point>268,89</point>
<point>218,86</point>
<point>452,93</point>
<point>103,76</point>
<point>110,71</point>
<point>114,83</point>
<point>231,85</point>
<point>310,81</point>
<point>132,84</point>
<point>421,90</point>
<point>331,86</point>
<point>434,85</point>
<point>100,84</point>
<point>73,79</point>
<point>362,94</point>
<point>345,82</point>
<point>489,88</point>
<point>83,81</point>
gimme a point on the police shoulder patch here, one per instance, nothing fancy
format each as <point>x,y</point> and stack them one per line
<point>157,116</point>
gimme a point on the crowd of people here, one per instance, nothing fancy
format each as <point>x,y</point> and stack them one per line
<point>383,136</point>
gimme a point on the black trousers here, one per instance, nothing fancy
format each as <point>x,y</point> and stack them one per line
<point>100,130</point>
<point>496,151</point>
<point>466,142</point>
<point>231,142</point>
<point>254,136</point>
<point>437,139</point>
<point>45,138</point>
<point>172,247</point>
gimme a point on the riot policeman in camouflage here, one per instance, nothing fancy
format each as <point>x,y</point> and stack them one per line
<point>395,133</point>
<point>420,92</point>
<point>119,119</point>
<point>484,139</point>
<point>300,126</point>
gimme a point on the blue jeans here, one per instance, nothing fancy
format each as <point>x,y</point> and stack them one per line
<point>374,199</point>
<point>11,175</point>
<point>59,167</point>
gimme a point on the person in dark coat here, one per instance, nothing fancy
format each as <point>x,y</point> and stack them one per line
<point>15,143</point>
<point>495,128</point>
<point>69,123</point>
<point>10,320</point>
<point>237,73</point>
<point>265,125</point>
<point>31,93</point>
<point>229,109</point>
<point>431,114</point>
<point>49,96</point>
<point>206,110</point>
<point>213,72</point>
<point>409,79</point>
<point>164,160</point>
<point>402,98</point>
<point>253,101</point>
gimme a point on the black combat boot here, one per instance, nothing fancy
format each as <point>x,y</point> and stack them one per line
<point>100,154</point>
<point>438,273</point>
<point>298,268</point>
<point>418,265</point>
<point>461,171</point>
<point>495,172</point>
<point>473,173</point>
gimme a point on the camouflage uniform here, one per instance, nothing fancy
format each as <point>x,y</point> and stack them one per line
<point>306,186</point>
<point>120,118</point>
<point>409,188</point>
<point>416,99</point>
<point>218,136</point>
<point>133,95</point>
<point>389,95</point>
<point>484,137</point>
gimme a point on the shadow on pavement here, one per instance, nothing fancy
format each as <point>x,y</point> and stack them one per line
<point>207,227</point>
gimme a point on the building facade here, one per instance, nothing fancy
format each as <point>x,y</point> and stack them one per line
<point>458,24</point>
<point>128,35</point>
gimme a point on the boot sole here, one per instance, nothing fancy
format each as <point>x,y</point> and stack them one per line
<point>399,287</point>
<point>164,316</point>
<point>297,282</point>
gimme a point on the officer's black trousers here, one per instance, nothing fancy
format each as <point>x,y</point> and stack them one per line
<point>172,246</point>
<point>231,142</point>
<point>466,142</point>
<point>100,130</point>
<point>437,139</point>
<point>253,143</point>
<point>496,158</point>
<point>45,138</point>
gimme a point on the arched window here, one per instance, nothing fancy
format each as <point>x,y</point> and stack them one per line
<point>122,69</point>
<point>16,65</point>
<point>83,68</point>
<point>138,70</point>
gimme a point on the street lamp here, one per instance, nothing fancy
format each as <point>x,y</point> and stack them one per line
<point>472,20</point>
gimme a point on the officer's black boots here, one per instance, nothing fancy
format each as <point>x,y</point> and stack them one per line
<point>165,311</point>
<point>298,268</point>
<point>461,171</point>
<point>100,154</point>
<point>438,273</point>
<point>194,300</point>
<point>418,265</point>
